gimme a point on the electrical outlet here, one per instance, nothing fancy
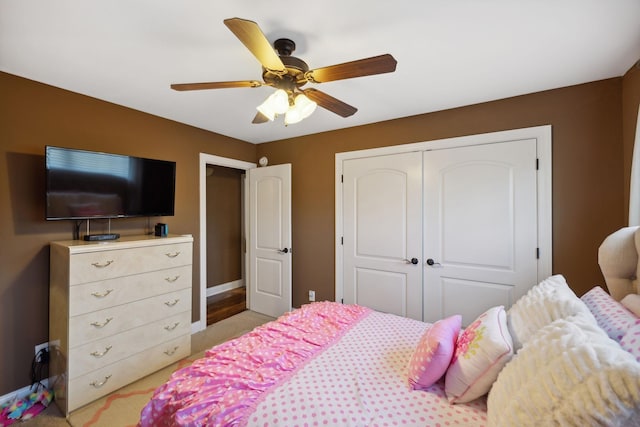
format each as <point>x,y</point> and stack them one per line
<point>41,346</point>
<point>312,296</point>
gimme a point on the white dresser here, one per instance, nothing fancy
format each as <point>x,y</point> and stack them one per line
<point>118,311</point>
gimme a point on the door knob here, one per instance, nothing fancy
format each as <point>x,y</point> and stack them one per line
<point>413,261</point>
<point>284,251</point>
<point>432,263</point>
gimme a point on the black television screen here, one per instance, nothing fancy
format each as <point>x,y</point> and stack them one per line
<point>87,184</point>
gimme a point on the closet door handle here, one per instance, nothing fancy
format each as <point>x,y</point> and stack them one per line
<point>432,263</point>
<point>284,251</point>
<point>413,261</point>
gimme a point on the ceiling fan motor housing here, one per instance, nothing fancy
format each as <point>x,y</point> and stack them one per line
<point>293,76</point>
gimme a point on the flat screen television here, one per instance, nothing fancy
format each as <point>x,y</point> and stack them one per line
<point>89,185</point>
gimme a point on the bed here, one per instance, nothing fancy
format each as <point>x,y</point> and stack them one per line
<point>550,359</point>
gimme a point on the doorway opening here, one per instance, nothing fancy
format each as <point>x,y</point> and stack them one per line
<point>226,294</point>
<point>207,161</point>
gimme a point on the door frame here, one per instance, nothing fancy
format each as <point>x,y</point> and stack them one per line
<point>542,134</point>
<point>210,159</point>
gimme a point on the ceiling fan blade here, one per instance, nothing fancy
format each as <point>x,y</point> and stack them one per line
<point>359,68</point>
<point>215,85</point>
<point>330,103</point>
<point>260,118</point>
<point>250,34</point>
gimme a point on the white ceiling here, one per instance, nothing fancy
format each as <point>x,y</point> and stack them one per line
<point>450,53</point>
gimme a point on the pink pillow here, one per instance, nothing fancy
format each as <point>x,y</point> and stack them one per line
<point>631,341</point>
<point>433,353</point>
<point>481,352</point>
<point>611,316</point>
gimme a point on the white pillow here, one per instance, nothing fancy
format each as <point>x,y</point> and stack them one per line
<point>482,349</point>
<point>549,300</point>
<point>567,375</point>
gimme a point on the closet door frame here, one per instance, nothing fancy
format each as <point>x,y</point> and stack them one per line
<point>542,134</point>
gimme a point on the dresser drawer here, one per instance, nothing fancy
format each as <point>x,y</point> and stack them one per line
<point>95,355</point>
<point>100,324</point>
<point>89,297</point>
<point>93,385</point>
<point>95,266</point>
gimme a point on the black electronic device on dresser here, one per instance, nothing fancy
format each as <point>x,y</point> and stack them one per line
<point>101,237</point>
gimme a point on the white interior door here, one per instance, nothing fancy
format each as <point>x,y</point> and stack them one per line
<point>269,240</point>
<point>480,227</point>
<point>382,233</point>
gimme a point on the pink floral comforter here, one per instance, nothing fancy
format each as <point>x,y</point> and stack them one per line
<point>225,386</point>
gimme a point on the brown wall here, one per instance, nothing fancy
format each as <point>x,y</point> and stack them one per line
<point>33,115</point>
<point>224,222</point>
<point>587,174</point>
<point>588,182</point>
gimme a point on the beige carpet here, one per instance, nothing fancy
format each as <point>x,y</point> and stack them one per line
<point>122,407</point>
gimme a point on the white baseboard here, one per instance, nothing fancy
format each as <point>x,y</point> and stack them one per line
<point>218,289</point>
<point>19,394</point>
<point>198,326</point>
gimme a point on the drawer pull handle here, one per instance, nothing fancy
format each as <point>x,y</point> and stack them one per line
<point>98,265</point>
<point>171,328</point>
<point>171,279</point>
<point>100,354</point>
<point>103,324</point>
<point>171,352</point>
<point>173,255</point>
<point>103,294</point>
<point>99,384</point>
<point>171,303</point>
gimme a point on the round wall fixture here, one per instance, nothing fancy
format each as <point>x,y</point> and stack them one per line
<point>263,161</point>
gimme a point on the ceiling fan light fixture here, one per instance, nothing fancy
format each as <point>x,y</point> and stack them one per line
<point>276,103</point>
<point>305,105</point>
<point>302,108</point>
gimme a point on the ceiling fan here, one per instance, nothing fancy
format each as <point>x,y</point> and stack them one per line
<point>289,74</point>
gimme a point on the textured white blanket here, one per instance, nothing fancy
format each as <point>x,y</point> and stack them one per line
<point>569,374</point>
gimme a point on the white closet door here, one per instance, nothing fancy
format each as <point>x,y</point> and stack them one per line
<point>480,227</point>
<point>382,233</point>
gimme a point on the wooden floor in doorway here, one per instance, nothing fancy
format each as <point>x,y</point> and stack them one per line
<point>226,304</point>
